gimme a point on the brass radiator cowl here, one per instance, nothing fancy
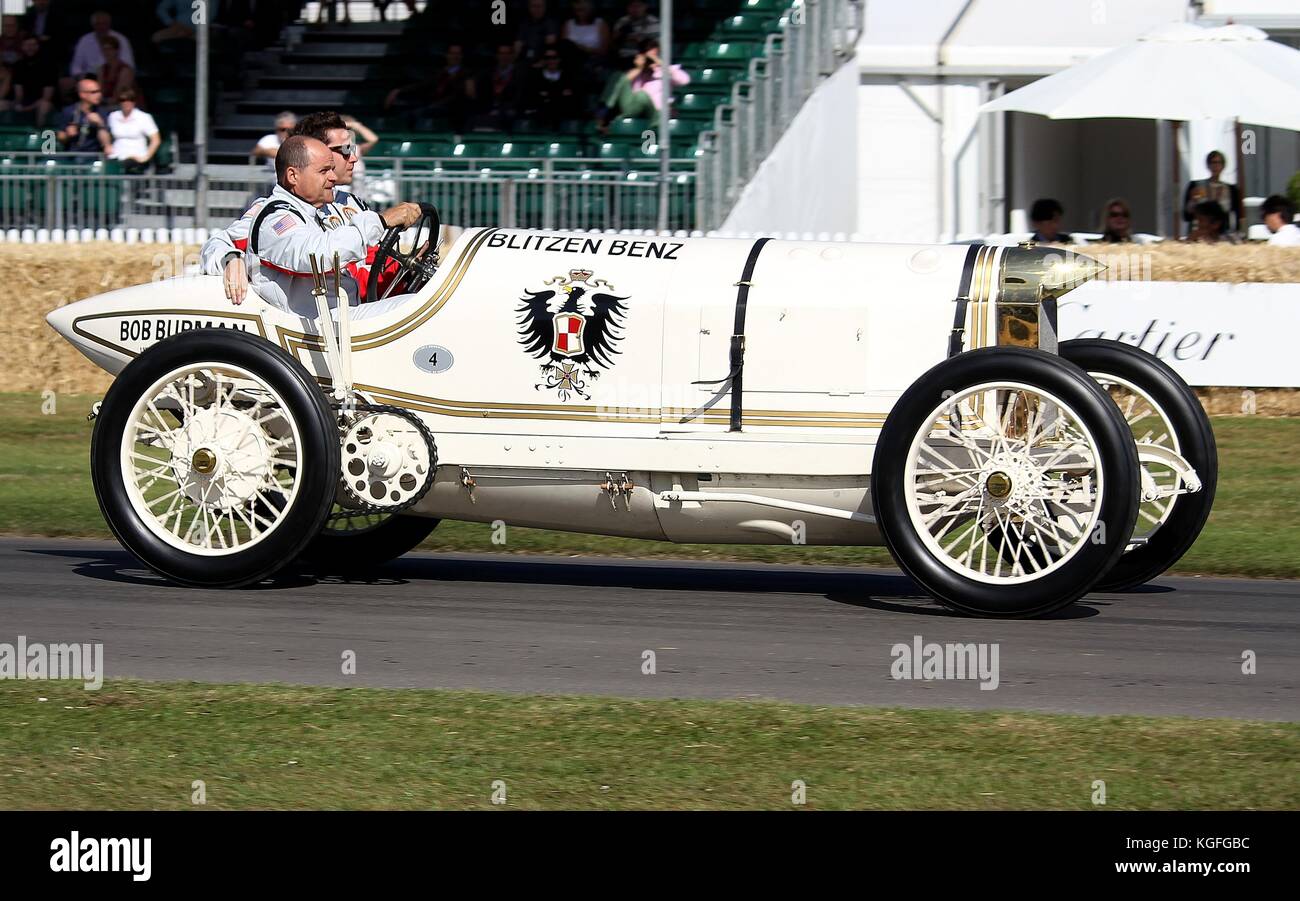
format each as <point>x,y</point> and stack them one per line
<point>1031,279</point>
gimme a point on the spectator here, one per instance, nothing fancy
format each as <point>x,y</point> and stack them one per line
<point>10,40</point>
<point>115,75</point>
<point>1045,217</point>
<point>587,33</point>
<point>35,79</point>
<point>1278,214</point>
<point>6,88</point>
<point>446,94</point>
<point>499,92</point>
<point>267,147</point>
<point>538,32</point>
<point>47,26</point>
<point>382,6</point>
<point>633,29</point>
<point>639,92</point>
<point>365,141</point>
<point>82,126</point>
<point>1215,190</point>
<point>87,56</point>
<point>1116,222</point>
<point>177,18</point>
<point>554,95</point>
<point>135,136</point>
<point>252,23</point>
<point>332,6</point>
<point>1210,224</point>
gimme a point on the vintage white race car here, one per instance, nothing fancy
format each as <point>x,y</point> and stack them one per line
<point>689,390</point>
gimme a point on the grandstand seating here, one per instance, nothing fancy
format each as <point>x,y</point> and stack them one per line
<point>352,68</point>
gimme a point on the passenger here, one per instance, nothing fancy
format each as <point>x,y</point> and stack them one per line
<point>288,231</point>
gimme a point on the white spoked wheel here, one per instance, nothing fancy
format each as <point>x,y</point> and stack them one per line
<point>1150,425</point>
<point>1009,488</point>
<point>1005,482</point>
<point>1178,460</point>
<point>211,458</point>
<point>215,458</point>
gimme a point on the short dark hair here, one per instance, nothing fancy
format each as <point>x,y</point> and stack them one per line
<point>317,125</point>
<point>1212,154</point>
<point>294,153</point>
<point>1045,208</point>
<point>1212,211</point>
<point>1276,203</point>
<point>647,44</point>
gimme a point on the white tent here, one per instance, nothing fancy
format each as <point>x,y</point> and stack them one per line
<point>1179,72</point>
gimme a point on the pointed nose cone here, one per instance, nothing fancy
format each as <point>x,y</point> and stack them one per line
<point>1031,274</point>
<point>61,320</point>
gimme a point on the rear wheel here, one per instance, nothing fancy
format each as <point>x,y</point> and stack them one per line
<point>214,458</point>
<point>1004,482</point>
<point>1161,411</point>
<point>356,543</point>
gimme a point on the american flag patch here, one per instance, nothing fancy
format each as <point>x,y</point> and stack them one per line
<point>284,223</point>
<point>252,210</point>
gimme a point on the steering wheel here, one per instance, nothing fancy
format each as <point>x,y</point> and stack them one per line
<point>414,269</point>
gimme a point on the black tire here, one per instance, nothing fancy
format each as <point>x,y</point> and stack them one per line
<point>1196,445</point>
<point>1117,509</point>
<point>342,552</point>
<point>304,402</point>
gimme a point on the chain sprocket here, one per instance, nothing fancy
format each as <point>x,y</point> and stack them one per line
<point>350,417</point>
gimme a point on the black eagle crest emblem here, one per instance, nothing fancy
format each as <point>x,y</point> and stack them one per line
<point>576,338</point>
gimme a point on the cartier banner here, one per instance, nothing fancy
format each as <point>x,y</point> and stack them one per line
<point>1236,335</point>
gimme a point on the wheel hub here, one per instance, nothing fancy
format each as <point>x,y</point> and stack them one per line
<point>204,461</point>
<point>221,458</point>
<point>998,485</point>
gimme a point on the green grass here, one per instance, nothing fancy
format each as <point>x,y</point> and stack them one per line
<point>141,745</point>
<point>1253,531</point>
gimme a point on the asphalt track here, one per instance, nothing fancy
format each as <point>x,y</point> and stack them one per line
<point>819,635</point>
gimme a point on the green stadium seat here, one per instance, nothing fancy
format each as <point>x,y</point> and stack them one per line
<point>557,149</point>
<point>724,54</point>
<point>750,27</point>
<point>694,105</point>
<point>709,80</point>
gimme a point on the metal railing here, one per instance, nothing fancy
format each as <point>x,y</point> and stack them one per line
<point>571,194</point>
<point>816,38</point>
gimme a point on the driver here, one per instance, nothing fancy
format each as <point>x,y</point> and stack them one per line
<point>288,231</point>
<point>223,253</point>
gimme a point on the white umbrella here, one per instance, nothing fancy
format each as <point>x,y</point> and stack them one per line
<point>1179,72</point>
<point>1182,72</point>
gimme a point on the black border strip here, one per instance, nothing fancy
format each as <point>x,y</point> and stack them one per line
<point>956,337</point>
<point>738,336</point>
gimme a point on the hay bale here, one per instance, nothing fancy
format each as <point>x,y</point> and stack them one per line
<point>1182,262</point>
<point>41,279</point>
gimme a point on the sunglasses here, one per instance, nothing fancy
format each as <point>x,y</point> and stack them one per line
<point>1117,214</point>
<point>345,150</point>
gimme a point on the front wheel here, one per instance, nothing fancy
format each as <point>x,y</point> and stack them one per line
<point>215,458</point>
<point>1005,482</point>
<point>1161,411</point>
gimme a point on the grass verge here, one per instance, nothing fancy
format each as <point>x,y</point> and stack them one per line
<point>1255,527</point>
<point>135,745</point>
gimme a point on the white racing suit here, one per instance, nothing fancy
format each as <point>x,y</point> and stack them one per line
<point>289,231</point>
<point>234,239</point>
